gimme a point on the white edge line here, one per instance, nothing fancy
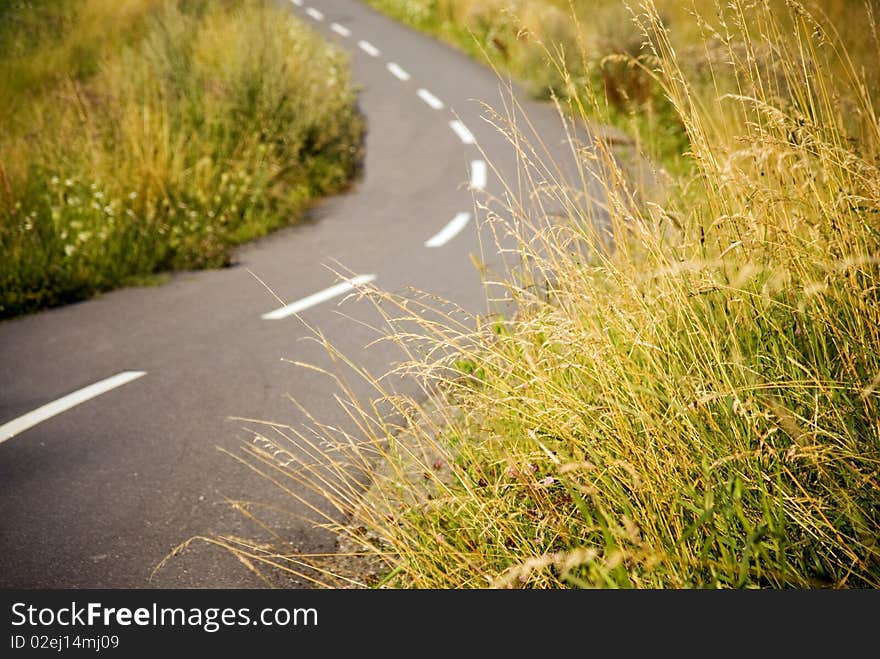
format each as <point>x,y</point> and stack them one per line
<point>47,411</point>
<point>314,13</point>
<point>478,175</point>
<point>397,71</point>
<point>317,298</point>
<point>369,48</point>
<point>450,231</point>
<point>430,99</point>
<point>462,131</point>
<point>341,30</point>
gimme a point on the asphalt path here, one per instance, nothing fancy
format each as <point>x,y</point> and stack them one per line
<point>95,494</point>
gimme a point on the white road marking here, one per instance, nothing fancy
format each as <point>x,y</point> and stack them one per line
<point>47,411</point>
<point>298,3</point>
<point>317,298</point>
<point>341,30</point>
<point>478,175</point>
<point>450,231</point>
<point>430,99</point>
<point>369,48</point>
<point>314,13</point>
<point>397,72</point>
<point>462,131</point>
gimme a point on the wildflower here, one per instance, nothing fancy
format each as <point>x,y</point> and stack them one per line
<point>69,249</point>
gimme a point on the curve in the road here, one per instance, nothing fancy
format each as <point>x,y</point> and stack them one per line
<point>442,237</point>
<point>449,231</point>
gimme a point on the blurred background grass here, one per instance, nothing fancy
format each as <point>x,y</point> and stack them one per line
<point>147,135</point>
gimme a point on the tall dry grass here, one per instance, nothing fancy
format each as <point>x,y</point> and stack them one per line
<point>685,395</point>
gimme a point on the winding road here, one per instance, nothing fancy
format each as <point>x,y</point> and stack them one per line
<point>112,410</point>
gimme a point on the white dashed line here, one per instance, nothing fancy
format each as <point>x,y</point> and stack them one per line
<point>314,13</point>
<point>397,72</point>
<point>29,420</point>
<point>317,298</point>
<point>430,99</point>
<point>462,131</point>
<point>341,30</point>
<point>298,3</point>
<point>478,175</point>
<point>369,48</point>
<point>450,231</point>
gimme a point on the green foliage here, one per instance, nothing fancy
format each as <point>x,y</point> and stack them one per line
<point>209,125</point>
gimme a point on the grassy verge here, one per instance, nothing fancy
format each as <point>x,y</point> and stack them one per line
<point>692,403</point>
<point>149,135</point>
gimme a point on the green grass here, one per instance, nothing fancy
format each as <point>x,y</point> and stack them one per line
<point>691,400</point>
<point>149,136</point>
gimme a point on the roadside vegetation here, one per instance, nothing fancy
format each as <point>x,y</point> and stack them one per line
<point>141,136</point>
<point>687,392</point>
